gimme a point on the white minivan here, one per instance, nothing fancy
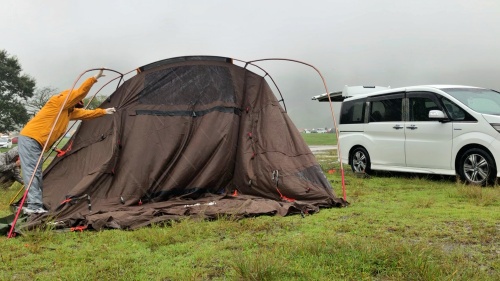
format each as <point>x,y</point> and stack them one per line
<point>442,129</point>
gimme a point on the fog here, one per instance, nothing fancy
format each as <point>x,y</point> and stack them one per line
<point>384,43</point>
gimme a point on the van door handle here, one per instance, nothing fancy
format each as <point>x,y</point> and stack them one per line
<point>412,127</point>
<point>397,127</point>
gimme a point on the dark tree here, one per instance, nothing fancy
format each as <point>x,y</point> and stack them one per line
<point>15,90</point>
<point>39,99</point>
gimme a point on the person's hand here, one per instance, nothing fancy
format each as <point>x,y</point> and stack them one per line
<point>99,74</point>
<point>110,110</point>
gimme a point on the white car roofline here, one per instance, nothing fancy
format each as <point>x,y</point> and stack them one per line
<point>412,88</point>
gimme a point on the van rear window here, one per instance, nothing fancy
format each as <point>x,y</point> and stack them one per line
<point>386,110</point>
<point>353,112</point>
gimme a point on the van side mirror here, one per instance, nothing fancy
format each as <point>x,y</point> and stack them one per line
<point>437,115</point>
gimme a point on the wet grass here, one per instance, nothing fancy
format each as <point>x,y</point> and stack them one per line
<point>398,227</point>
<point>320,139</point>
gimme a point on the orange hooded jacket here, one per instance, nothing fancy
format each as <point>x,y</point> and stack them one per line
<point>39,126</point>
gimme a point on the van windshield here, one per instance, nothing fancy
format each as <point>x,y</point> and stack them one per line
<point>480,100</point>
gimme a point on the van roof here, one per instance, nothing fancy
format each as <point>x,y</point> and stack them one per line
<point>349,91</point>
<point>414,88</point>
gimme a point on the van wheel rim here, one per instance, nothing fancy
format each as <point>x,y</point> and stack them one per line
<point>476,168</point>
<point>359,161</point>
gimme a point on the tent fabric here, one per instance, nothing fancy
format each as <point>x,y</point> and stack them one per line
<point>192,136</point>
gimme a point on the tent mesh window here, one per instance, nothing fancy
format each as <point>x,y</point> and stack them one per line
<point>188,85</point>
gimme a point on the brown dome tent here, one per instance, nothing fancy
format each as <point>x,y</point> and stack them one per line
<point>192,136</point>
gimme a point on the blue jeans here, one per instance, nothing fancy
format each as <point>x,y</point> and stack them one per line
<point>29,152</point>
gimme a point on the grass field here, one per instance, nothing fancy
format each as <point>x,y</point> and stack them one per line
<point>397,227</point>
<point>320,139</point>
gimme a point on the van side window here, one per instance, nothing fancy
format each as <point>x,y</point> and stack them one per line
<point>419,108</point>
<point>455,112</point>
<point>353,112</point>
<point>386,110</point>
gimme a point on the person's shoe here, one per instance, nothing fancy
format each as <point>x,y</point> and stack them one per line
<point>29,211</point>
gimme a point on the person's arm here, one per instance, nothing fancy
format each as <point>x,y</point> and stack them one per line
<point>84,114</point>
<point>77,94</point>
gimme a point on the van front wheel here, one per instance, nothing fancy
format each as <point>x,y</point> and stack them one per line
<point>477,167</point>
<point>360,161</point>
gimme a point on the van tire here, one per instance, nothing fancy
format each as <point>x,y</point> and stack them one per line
<point>360,160</point>
<point>476,166</point>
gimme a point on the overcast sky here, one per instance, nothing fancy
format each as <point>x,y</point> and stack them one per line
<point>352,42</point>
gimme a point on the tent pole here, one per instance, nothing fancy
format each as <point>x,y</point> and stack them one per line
<point>15,196</point>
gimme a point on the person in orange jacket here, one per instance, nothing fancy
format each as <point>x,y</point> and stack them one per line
<point>35,135</point>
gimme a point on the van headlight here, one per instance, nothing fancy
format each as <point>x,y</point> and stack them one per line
<point>496,126</point>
